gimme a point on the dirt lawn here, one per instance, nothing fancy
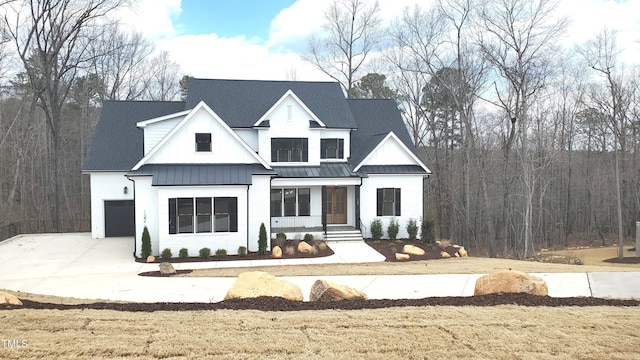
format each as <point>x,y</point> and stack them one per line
<point>458,332</point>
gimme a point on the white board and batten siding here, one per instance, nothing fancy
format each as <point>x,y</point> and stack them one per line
<point>155,132</point>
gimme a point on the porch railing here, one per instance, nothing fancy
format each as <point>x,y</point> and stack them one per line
<point>363,229</point>
<point>296,223</point>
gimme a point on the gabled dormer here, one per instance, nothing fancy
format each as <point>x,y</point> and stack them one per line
<point>290,134</point>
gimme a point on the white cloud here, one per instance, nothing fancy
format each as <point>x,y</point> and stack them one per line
<point>241,58</point>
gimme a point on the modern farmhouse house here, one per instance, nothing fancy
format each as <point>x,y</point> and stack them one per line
<point>296,156</point>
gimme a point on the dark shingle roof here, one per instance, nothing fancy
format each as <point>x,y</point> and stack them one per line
<point>242,102</point>
<point>375,119</point>
<point>201,174</point>
<point>117,143</point>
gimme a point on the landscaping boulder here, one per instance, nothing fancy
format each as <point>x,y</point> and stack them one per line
<point>151,258</point>
<point>510,281</point>
<point>8,299</point>
<point>254,284</point>
<point>323,290</point>
<point>463,252</point>
<point>412,250</point>
<point>304,248</point>
<point>445,255</point>
<point>402,257</point>
<point>276,252</point>
<point>167,269</point>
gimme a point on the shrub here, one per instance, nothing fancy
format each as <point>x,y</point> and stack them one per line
<point>278,242</point>
<point>146,243</point>
<point>308,238</point>
<point>393,228</point>
<point>220,253</point>
<point>166,254</point>
<point>184,253</point>
<point>205,253</point>
<point>412,229</point>
<point>281,236</point>
<point>289,250</point>
<point>427,231</point>
<point>242,251</point>
<point>262,240</point>
<point>376,229</point>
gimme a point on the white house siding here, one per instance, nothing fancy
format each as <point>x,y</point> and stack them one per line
<point>410,203</point>
<point>153,133</point>
<point>106,186</point>
<point>229,241</point>
<point>283,126</point>
<point>390,153</point>
<point>181,147</point>
<point>146,213</point>
<point>259,210</point>
<point>250,136</point>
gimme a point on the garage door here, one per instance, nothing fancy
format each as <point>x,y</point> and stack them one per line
<point>119,218</point>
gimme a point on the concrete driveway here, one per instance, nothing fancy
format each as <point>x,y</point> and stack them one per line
<point>75,265</point>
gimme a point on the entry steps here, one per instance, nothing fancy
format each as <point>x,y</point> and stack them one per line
<point>343,235</point>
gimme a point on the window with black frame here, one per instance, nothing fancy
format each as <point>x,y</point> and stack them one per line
<point>289,150</point>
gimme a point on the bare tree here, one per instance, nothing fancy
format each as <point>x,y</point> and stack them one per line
<point>352,32</point>
<point>601,55</point>
<point>51,39</point>
<point>518,39</point>
<point>162,82</point>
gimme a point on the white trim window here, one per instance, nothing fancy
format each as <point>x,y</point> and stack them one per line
<point>290,202</point>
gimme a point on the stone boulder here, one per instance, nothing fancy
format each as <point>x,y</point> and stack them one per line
<point>445,255</point>
<point>254,284</point>
<point>276,252</point>
<point>412,250</point>
<point>323,290</point>
<point>151,258</point>
<point>402,257</point>
<point>463,252</point>
<point>8,299</point>
<point>167,269</point>
<point>510,281</point>
<point>305,248</point>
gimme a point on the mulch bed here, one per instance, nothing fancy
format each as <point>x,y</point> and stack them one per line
<point>389,248</point>
<point>326,251</point>
<point>280,304</point>
<point>624,260</point>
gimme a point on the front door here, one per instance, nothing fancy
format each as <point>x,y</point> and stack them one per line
<point>336,205</point>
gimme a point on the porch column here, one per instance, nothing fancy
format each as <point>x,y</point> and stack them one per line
<point>357,207</point>
<point>324,209</point>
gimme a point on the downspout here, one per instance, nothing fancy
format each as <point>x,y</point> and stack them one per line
<point>135,241</point>
<point>248,217</point>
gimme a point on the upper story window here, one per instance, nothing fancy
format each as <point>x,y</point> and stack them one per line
<point>331,148</point>
<point>203,142</point>
<point>289,150</point>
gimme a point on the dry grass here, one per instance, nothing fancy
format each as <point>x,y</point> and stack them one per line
<point>469,265</point>
<point>501,332</point>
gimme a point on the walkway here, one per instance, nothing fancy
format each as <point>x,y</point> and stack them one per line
<point>75,265</point>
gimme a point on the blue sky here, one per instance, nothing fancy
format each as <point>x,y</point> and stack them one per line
<point>229,18</point>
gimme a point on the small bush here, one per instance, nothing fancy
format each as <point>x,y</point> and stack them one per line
<point>281,236</point>
<point>321,245</point>
<point>184,253</point>
<point>242,251</point>
<point>376,229</point>
<point>289,250</point>
<point>278,242</point>
<point>412,229</point>
<point>392,229</point>
<point>146,243</point>
<point>308,238</point>
<point>166,254</point>
<point>262,240</point>
<point>427,231</point>
<point>205,253</point>
<point>220,253</point>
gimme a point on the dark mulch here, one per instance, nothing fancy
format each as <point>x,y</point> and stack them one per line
<point>389,248</point>
<point>279,304</point>
<point>158,274</point>
<point>624,260</point>
<point>326,251</point>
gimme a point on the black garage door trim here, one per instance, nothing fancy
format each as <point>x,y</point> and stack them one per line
<point>119,218</point>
